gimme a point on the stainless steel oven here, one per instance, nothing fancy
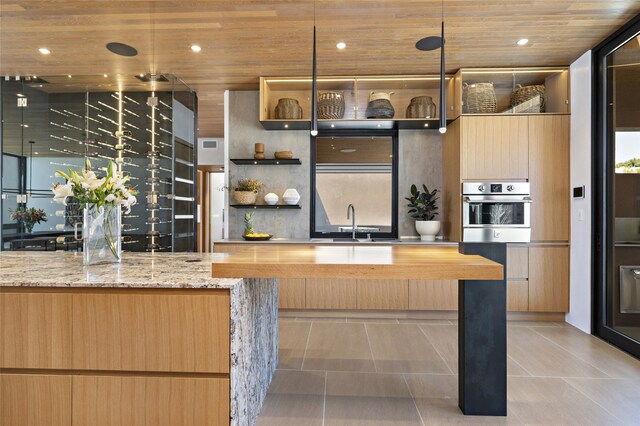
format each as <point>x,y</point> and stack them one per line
<point>496,211</point>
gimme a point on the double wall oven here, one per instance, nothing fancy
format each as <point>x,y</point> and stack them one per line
<point>496,211</point>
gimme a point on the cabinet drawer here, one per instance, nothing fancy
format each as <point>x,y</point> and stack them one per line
<point>330,294</point>
<point>518,295</point>
<point>35,330</point>
<point>438,295</point>
<point>291,293</point>
<point>150,401</point>
<point>517,263</point>
<point>35,400</point>
<point>149,331</point>
<point>383,294</point>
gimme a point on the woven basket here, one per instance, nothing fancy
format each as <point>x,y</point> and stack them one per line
<point>479,98</point>
<point>288,109</point>
<point>331,105</point>
<point>245,197</point>
<point>526,93</point>
<point>380,108</point>
<point>421,107</point>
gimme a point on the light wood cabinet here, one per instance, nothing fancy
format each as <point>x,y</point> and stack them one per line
<point>152,331</point>
<point>291,293</point>
<point>35,400</point>
<point>34,330</point>
<point>436,295</point>
<point>383,294</point>
<point>494,148</point>
<point>518,295</point>
<point>517,263</point>
<point>330,294</point>
<point>549,279</point>
<point>549,177</point>
<point>150,401</point>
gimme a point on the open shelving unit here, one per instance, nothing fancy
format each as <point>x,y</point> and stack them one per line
<point>266,206</point>
<point>266,161</point>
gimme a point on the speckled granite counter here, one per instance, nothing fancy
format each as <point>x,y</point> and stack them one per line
<point>252,310</point>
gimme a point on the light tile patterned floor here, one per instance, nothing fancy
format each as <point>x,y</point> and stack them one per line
<point>402,372</point>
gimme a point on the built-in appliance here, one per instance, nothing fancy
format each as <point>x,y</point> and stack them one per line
<point>496,211</point>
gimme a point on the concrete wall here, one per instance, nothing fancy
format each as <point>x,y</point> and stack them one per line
<point>580,276</point>
<point>243,131</point>
<point>420,161</point>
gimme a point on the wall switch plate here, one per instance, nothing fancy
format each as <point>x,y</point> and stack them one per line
<point>580,214</point>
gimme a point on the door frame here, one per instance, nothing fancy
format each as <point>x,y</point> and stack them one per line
<point>602,190</point>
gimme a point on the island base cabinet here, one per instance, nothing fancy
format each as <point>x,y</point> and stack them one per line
<point>35,400</point>
<point>150,401</point>
<point>382,294</point>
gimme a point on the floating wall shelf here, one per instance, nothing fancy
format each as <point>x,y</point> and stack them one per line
<point>266,161</point>
<point>266,206</point>
<point>356,124</point>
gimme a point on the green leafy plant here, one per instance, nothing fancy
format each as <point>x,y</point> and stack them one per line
<point>250,185</point>
<point>422,205</point>
<point>248,223</point>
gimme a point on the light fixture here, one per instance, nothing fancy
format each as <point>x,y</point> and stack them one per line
<point>341,45</point>
<point>314,82</point>
<point>44,51</point>
<point>522,42</point>
<point>286,126</point>
<point>348,150</point>
<point>69,76</point>
<point>196,48</point>
<point>432,43</point>
<point>105,75</point>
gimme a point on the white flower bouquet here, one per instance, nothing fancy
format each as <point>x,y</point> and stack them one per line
<point>102,200</point>
<point>87,188</point>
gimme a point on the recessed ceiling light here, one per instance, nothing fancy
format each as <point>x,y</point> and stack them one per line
<point>341,45</point>
<point>286,126</point>
<point>105,75</point>
<point>196,48</point>
<point>333,125</point>
<point>522,42</point>
<point>69,76</point>
<point>44,51</point>
<point>348,150</point>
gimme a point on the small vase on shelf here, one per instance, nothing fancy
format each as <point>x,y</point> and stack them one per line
<point>291,196</point>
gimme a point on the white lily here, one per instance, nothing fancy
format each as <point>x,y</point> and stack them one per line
<point>61,192</point>
<point>109,198</point>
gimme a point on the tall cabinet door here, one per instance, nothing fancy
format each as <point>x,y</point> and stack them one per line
<point>549,177</point>
<point>494,148</point>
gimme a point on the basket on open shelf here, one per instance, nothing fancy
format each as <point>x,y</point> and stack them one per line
<point>522,94</point>
<point>479,98</point>
<point>288,109</point>
<point>330,105</point>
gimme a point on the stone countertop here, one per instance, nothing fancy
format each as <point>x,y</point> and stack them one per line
<point>137,270</point>
<point>329,241</point>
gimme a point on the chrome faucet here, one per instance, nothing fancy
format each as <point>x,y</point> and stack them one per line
<point>351,214</point>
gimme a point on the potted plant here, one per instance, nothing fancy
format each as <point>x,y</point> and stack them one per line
<point>28,217</point>
<point>422,206</point>
<point>246,191</point>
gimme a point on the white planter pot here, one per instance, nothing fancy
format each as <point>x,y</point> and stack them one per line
<point>428,229</point>
<point>291,196</point>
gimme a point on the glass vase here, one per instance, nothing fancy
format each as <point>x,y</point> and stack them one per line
<point>101,230</point>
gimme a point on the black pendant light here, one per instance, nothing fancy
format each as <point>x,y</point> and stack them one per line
<point>433,43</point>
<point>314,96</point>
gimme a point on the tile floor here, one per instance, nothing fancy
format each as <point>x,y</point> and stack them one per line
<point>402,372</point>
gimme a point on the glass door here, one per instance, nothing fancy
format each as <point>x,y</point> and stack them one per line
<point>618,192</point>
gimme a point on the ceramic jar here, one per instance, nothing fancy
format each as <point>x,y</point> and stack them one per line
<point>291,196</point>
<point>271,199</point>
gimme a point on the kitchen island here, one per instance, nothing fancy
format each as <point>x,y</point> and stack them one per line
<point>480,269</point>
<point>151,341</point>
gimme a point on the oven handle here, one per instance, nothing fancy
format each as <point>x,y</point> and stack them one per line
<point>467,199</point>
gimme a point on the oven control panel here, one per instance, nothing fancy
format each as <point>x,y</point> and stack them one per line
<point>495,188</point>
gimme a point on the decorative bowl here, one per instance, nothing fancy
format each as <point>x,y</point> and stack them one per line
<point>249,238</point>
<point>283,155</point>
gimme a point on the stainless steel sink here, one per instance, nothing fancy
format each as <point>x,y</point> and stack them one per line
<point>346,240</point>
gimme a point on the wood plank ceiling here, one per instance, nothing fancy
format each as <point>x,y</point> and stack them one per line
<point>244,39</point>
